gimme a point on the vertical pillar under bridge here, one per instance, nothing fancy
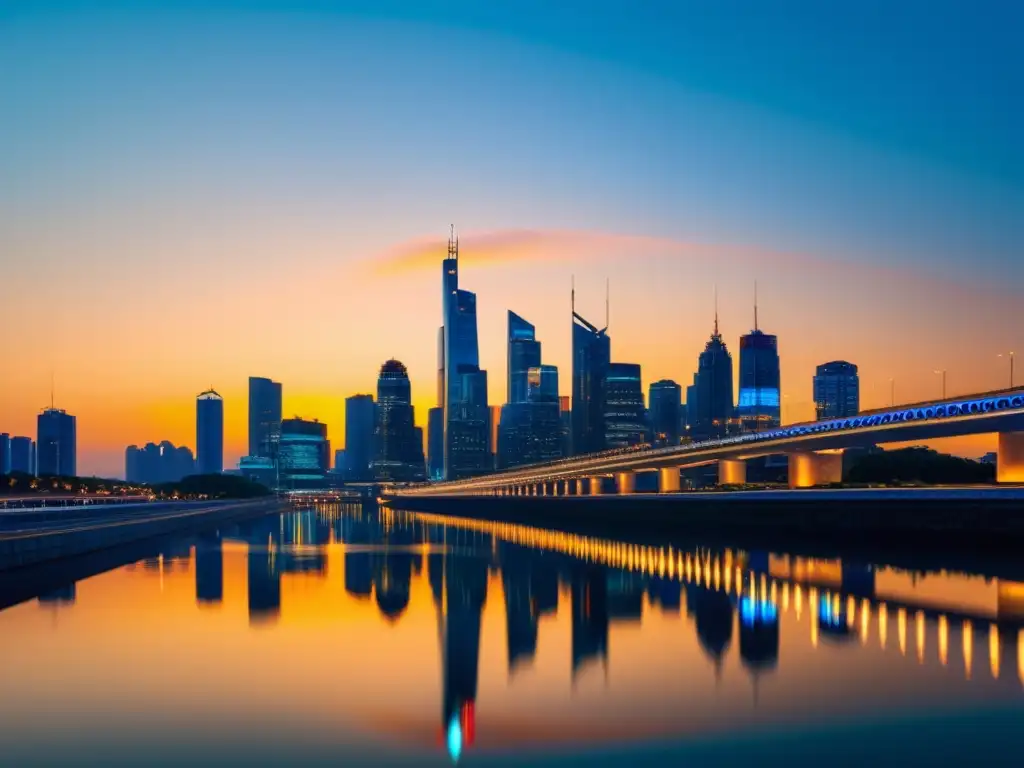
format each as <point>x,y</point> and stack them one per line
<point>581,486</point>
<point>625,482</point>
<point>732,472</point>
<point>1010,458</point>
<point>668,480</point>
<point>809,468</point>
<point>595,486</point>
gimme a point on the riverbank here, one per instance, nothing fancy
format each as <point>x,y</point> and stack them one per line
<point>34,538</point>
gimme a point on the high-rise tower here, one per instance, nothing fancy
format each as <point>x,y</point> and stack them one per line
<point>836,390</point>
<point>56,443</point>
<point>523,354</point>
<point>399,452</point>
<point>209,433</point>
<point>759,406</point>
<point>591,357</point>
<point>713,389</point>
<point>264,416</point>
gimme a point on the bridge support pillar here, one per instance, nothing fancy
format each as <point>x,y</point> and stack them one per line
<point>1010,458</point>
<point>625,482</point>
<point>595,485</point>
<point>581,486</point>
<point>556,488</point>
<point>668,480</point>
<point>732,472</point>
<point>567,487</point>
<point>808,468</point>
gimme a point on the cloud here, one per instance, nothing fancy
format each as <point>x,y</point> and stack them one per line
<point>504,247</point>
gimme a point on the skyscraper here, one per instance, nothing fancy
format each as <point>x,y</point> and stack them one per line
<point>264,416</point>
<point>360,425</point>
<point>624,415</point>
<point>56,443</point>
<point>531,431</point>
<point>304,454</point>
<point>23,455</point>
<point>836,390</point>
<point>465,412</point>
<point>398,456</point>
<point>713,388</point>
<point>163,463</point>
<point>523,354</point>
<point>542,384</point>
<point>209,433</point>
<point>759,406</point>
<point>591,356</point>
<point>435,443</point>
<point>665,404</point>
<point>5,453</point>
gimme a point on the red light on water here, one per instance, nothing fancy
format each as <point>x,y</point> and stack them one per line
<point>468,718</point>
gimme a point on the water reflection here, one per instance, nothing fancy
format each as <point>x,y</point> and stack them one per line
<point>595,639</point>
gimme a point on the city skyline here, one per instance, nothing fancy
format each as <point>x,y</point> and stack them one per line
<point>882,220</point>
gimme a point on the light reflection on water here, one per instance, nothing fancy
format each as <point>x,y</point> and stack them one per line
<point>401,637</point>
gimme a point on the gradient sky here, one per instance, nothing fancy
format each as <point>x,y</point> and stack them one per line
<point>192,193</point>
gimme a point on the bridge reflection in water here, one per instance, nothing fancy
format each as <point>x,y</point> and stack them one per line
<point>746,608</point>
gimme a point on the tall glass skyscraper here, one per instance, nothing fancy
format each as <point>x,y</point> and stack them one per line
<point>624,416</point>
<point>360,425</point>
<point>523,354</point>
<point>23,455</point>
<point>56,443</point>
<point>665,405</point>
<point>399,453</point>
<point>465,454</point>
<point>713,388</point>
<point>209,433</point>
<point>836,390</point>
<point>435,443</point>
<point>5,454</point>
<point>759,406</point>
<point>591,356</point>
<point>304,454</point>
<point>264,416</point>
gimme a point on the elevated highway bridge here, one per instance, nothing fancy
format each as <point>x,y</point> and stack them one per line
<point>814,449</point>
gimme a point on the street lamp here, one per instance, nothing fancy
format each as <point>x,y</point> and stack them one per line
<point>1009,355</point>
<point>943,372</point>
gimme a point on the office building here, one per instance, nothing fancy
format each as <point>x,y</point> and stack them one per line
<point>759,405</point>
<point>56,443</point>
<point>264,416</point>
<point>5,453</point>
<point>542,384</point>
<point>360,428</point>
<point>523,354</point>
<point>591,356</point>
<point>23,455</point>
<point>398,456</point>
<point>259,469</point>
<point>665,412</point>
<point>714,411</point>
<point>303,454</point>
<point>465,447</point>
<point>532,431</point>
<point>624,416</point>
<point>435,443</point>
<point>836,390</point>
<point>209,433</point>
<point>565,421</point>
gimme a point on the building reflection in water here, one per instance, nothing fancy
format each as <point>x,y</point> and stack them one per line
<point>209,569</point>
<point>61,596</point>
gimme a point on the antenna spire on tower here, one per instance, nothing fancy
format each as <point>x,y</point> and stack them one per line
<point>716,310</point>
<point>453,244</point>
<point>572,294</point>
<point>755,305</point>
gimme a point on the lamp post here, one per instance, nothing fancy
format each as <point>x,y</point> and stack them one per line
<point>943,372</point>
<point>1009,355</point>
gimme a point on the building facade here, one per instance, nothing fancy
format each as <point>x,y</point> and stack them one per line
<point>435,443</point>
<point>264,416</point>
<point>398,456</point>
<point>23,455</point>
<point>591,356</point>
<point>715,409</point>
<point>665,409</point>
<point>56,443</point>
<point>158,463</point>
<point>624,416</point>
<point>360,430</point>
<point>836,390</point>
<point>759,405</point>
<point>209,433</point>
<point>303,454</point>
<point>523,354</point>
<point>5,453</point>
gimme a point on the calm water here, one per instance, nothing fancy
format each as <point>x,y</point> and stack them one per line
<point>344,636</point>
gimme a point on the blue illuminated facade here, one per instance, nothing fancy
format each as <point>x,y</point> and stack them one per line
<point>758,407</point>
<point>209,433</point>
<point>625,421</point>
<point>304,454</point>
<point>591,357</point>
<point>523,354</point>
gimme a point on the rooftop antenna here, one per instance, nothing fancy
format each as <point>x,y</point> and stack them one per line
<point>755,305</point>
<point>572,295</point>
<point>607,302</point>
<point>716,310</point>
<point>453,245</point>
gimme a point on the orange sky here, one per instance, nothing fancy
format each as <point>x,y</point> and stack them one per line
<point>129,353</point>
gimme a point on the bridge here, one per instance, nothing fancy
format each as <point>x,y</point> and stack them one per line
<point>814,449</point>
